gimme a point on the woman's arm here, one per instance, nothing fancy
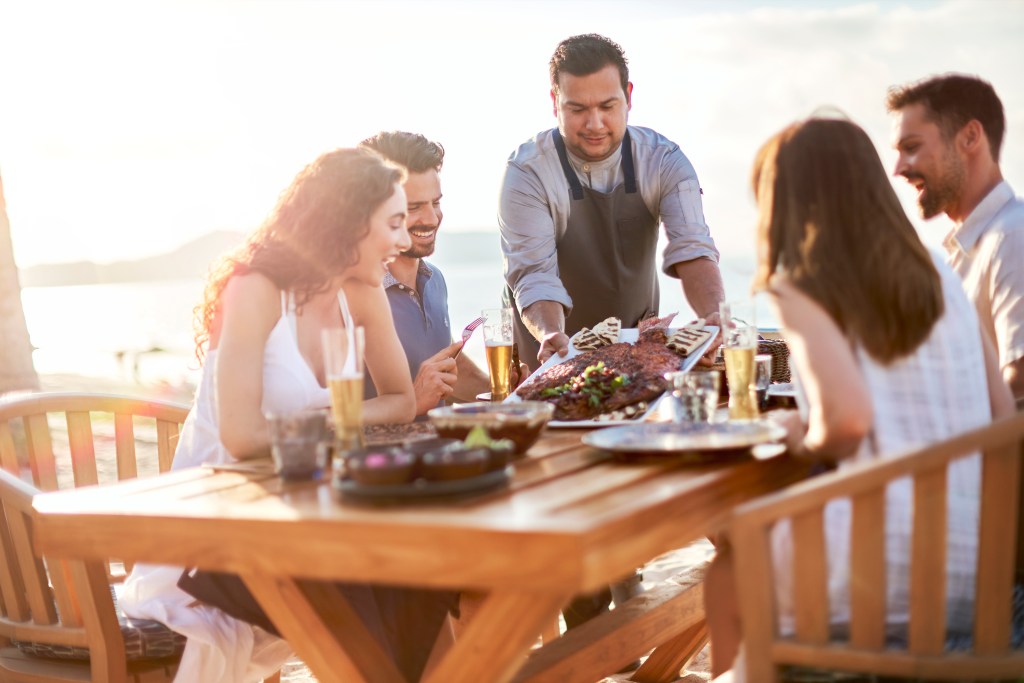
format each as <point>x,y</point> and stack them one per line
<point>250,307</point>
<point>840,406</point>
<point>385,358</point>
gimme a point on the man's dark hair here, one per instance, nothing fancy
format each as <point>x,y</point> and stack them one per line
<point>953,100</point>
<point>411,150</point>
<point>587,54</point>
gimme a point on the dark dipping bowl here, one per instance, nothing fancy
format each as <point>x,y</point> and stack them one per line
<point>453,464</point>
<point>381,466</point>
<point>497,458</point>
<point>520,422</point>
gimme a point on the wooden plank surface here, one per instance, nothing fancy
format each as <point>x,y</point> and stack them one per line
<point>624,515</point>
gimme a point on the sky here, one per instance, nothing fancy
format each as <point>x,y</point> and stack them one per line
<point>127,129</point>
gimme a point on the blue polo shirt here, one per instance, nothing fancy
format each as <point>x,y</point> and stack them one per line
<point>421,318</point>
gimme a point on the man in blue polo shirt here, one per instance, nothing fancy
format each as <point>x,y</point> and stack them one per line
<point>416,289</point>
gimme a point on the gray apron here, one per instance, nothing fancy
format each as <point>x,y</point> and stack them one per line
<point>606,257</point>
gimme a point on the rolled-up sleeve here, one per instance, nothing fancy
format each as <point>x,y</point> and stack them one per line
<point>527,224</point>
<point>682,213</point>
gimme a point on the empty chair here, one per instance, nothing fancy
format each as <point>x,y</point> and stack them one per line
<point>59,619</point>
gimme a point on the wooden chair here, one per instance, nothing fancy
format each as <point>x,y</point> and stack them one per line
<point>990,656</point>
<point>66,607</point>
<point>121,424</point>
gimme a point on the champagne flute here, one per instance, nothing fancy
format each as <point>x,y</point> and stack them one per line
<point>343,366</point>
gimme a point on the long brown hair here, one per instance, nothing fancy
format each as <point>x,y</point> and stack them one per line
<point>313,233</point>
<point>830,220</point>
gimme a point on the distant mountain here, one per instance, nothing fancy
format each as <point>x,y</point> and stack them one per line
<point>190,260</point>
<point>193,260</point>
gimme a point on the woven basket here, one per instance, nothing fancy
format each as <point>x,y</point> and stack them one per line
<point>780,357</point>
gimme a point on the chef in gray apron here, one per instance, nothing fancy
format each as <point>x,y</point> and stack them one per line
<point>590,250</point>
<point>581,204</point>
<point>606,256</point>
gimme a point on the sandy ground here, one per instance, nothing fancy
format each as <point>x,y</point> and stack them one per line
<point>295,671</point>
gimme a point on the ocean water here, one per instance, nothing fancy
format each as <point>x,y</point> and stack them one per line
<point>142,331</point>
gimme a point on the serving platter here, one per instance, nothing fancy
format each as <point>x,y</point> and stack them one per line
<point>679,438</point>
<point>629,335</point>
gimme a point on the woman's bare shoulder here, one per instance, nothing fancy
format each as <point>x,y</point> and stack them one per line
<point>252,298</point>
<point>365,301</point>
<point>253,287</point>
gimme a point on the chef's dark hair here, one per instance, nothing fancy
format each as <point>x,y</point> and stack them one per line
<point>411,150</point>
<point>586,54</point>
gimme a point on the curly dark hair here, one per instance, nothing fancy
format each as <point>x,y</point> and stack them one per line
<point>828,218</point>
<point>586,54</point>
<point>953,100</point>
<point>313,233</point>
<point>411,150</point>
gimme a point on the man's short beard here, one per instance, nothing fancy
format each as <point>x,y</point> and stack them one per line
<point>417,251</point>
<point>943,192</point>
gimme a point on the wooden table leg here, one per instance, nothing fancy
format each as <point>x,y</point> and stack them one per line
<point>324,630</point>
<point>665,662</point>
<point>494,644</point>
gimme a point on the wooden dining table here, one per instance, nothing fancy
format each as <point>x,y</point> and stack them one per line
<point>571,519</point>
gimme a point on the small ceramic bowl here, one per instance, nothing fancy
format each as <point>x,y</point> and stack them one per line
<point>520,422</point>
<point>453,464</point>
<point>498,458</point>
<point>420,446</point>
<point>381,466</point>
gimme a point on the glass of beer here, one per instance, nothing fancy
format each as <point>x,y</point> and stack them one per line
<point>498,346</point>
<point>739,346</point>
<point>343,366</point>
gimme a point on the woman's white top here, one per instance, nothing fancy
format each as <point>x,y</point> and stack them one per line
<point>936,392</point>
<point>221,648</point>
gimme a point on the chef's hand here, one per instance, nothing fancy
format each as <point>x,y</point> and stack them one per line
<point>555,342</point>
<point>436,378</point>
<point>518,376</point>
<point>708,359</point>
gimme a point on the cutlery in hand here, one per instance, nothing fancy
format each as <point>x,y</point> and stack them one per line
<point>467,332</point>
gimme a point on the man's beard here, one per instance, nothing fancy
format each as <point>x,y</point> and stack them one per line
<point>420,250</point>
<point>943,192</point>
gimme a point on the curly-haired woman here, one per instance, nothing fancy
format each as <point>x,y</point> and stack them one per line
<point>316,262</point>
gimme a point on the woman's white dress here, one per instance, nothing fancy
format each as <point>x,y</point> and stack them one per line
<point>940,390</point>
<point>221,648</point>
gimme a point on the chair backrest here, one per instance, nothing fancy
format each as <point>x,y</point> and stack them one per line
<point>62,441</point>
<point>99,438</point>
<point>866,650</point>
<point>65,603</point>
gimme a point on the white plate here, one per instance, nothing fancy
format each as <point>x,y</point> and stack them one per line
<point>685,437</point>
<point>630,335</point>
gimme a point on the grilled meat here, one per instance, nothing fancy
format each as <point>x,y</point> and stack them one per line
<point>579,395</point>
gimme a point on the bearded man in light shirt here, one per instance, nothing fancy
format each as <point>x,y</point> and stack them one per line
<point>580,206</point>
<point>948,133</point>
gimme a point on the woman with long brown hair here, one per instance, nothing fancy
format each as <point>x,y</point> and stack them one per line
<point>886,348</point>
<point>318,261</point>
